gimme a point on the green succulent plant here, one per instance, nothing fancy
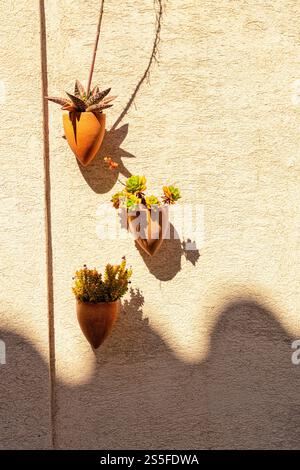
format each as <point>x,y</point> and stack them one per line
<point>133,195</point>
<point>171,194</point>
<point>152,201</point>
<point>131,201</point>
<point>136,184</point>
<point>96,101</point>
<point>117,199</point>
<point>127,200</point>
<point>93,287</point>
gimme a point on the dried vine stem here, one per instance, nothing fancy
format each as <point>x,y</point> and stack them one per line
<point>95,49</point>
<point>154,57</point>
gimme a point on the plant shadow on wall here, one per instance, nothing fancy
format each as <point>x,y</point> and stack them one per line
<point>96,174</point>
<point>167,263</point>
<point>243,395</point>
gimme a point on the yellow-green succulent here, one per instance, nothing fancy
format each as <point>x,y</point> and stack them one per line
<point>152,201</point>
<point>93,287</point>
<point>171,194</point>
<point>136,184</point>
<point>133,195</point>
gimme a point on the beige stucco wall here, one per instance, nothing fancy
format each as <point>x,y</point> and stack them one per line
<point>24,383</point>
<point>201,355</point>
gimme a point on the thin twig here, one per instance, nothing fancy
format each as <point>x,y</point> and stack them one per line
<point>121,182</point>
<point>159,8</point>
<point>95,49</point>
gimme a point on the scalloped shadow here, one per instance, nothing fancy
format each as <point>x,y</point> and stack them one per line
<point>243,395</point>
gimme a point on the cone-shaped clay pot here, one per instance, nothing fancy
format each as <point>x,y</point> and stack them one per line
<point>84,133</point>
<point>149,228</point>
<point>97,320</point>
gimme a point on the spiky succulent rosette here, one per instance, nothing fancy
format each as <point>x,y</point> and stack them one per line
<point>96,101</point>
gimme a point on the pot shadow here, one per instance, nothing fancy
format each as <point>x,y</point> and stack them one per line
<point>141,395</point>
<point>166,262</point>
<point>126,343</point>
<point>97,175</point>
<point>190,251</point>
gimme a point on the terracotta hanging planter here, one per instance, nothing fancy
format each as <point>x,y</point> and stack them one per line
<point>84,120</point>
<point>84,123</point>
<point>84,133</point>
<point>149,228</point>
<point>147,216</point>
<point>97,320</point>
<point>98,299</point>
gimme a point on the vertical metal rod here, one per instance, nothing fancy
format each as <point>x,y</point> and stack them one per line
<point>48,232</point>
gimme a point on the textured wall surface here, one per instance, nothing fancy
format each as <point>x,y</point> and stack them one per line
<point>201,354</point>
<point>24,383</point>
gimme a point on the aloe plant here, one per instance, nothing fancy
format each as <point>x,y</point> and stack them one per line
<point>87,100</point>
<point>81,101</point>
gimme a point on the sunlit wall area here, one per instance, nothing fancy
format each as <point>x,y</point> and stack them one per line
<point>201,354</point>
